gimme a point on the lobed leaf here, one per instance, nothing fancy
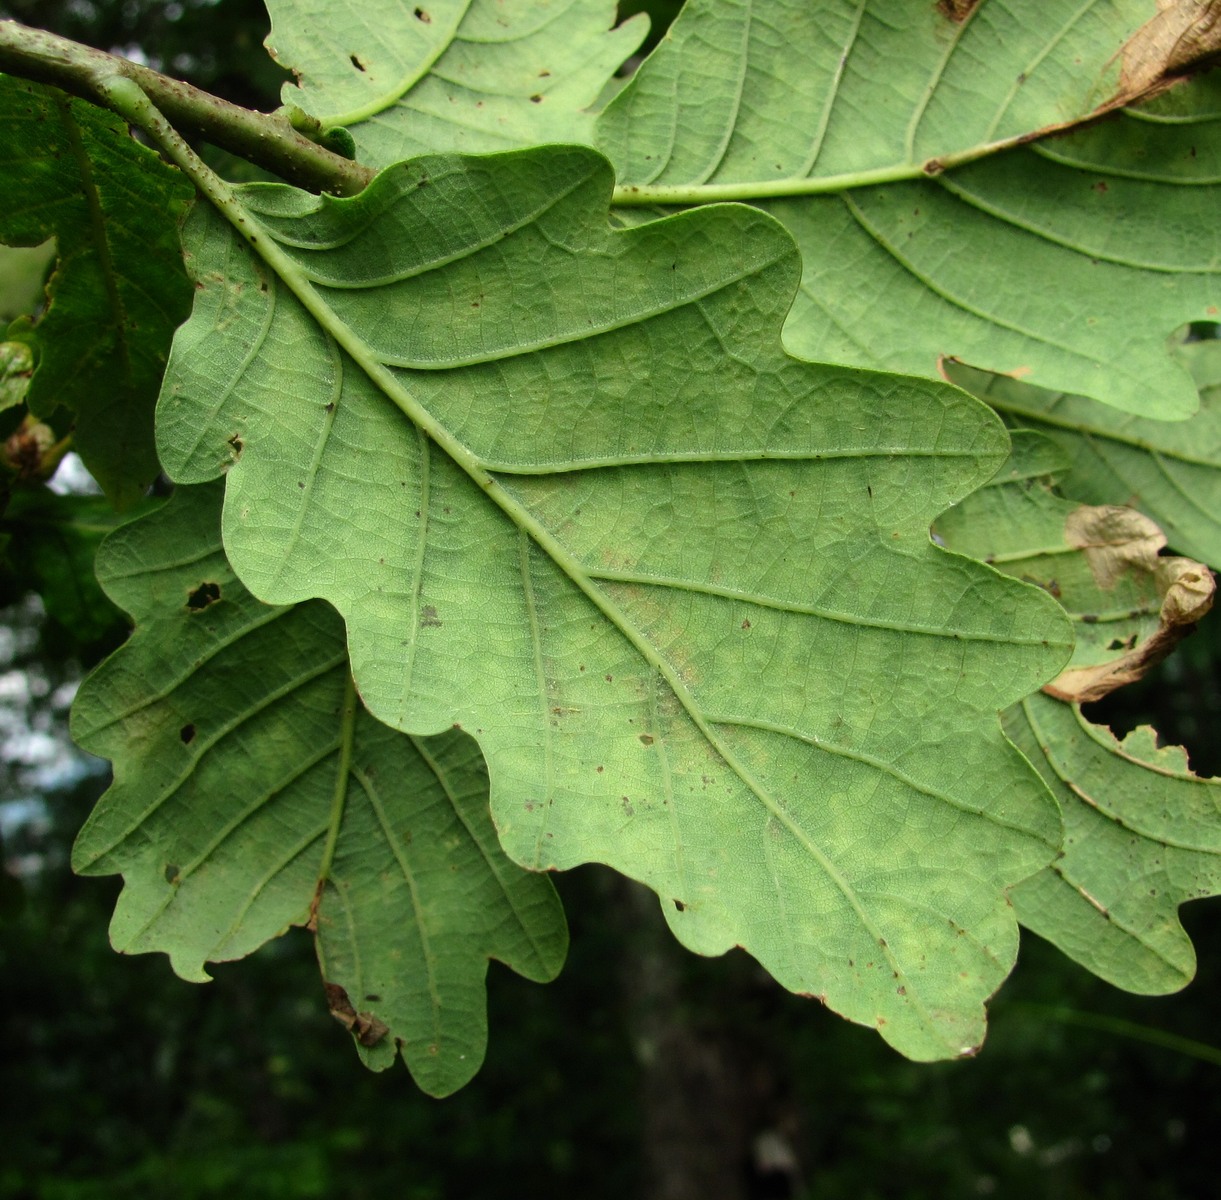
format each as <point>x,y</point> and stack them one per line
<point>915,119</point>
<point>252,793</point>
<point>1142,836</point>
<point>570,494</point>
<point>463,75</point>
<point>72,172</point>
<point>1169,470</point>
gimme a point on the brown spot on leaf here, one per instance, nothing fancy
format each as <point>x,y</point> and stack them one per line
<point>187,733</point>
<point>203,596</point>
<point>956,10</point>
<point>360,66</point>
<point>646,739</point>
<point>236,443</point>
<point>421,15</point>
<point>429,618</point>
<point>363,1026</point>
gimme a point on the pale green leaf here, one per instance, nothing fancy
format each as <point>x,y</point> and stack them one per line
<point>1169,470</point>
<point>569,492</point>
<point>71,171</point>
<point>888,138</point>
<point>23,276</point>
<point>1142,836</point>
<point>465,75</point>
<point>252,793</point>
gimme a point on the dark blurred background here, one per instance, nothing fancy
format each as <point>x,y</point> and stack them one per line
<point>642,1072</point>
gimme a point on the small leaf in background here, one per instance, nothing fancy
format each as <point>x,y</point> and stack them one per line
<point>1131,605</point>
<point>23,276</point>
<point>943,234</point>
<point>1170,470</point>
<point>569,493</point>
<point>252,792</point>
<point>72,171</point>
<point>464,75</point>
<point>1142,836</point>
<point>16,367</point>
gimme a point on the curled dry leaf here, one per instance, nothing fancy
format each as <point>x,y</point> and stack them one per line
<point>1121,543</point>
<point>1184,36</point>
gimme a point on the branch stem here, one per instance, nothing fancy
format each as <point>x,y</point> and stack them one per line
<point>267,139</point>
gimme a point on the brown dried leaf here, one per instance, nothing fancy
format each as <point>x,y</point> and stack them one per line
<point>1183,37</point>
<point>1119,542</point>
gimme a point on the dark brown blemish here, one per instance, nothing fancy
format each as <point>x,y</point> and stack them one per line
<point>202,596</point>
<point>363,1026</point>
<point>171,872</point>
<point>356,62</point>
<point>680,906</point>
<point>236,443</point>
<point>429,618</point>
<point>421,15</point>
<point>956,10</point>
<point>187,733</point>
<point>646,739</point>
<point>536,99</point>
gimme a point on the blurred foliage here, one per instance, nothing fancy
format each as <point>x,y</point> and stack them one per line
<point>214,44</point>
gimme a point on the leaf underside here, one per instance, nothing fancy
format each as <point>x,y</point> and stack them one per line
<point>72,172</point>
<point>251,793</point>
<point>569,493</point>
<point>1142,836</point>
<point>1070,227</point>
<point>470,76</point>
<point>1169,470</point>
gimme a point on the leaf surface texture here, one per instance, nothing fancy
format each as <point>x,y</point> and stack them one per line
<point>1142,836</point>
<point>914,122</point>
<point>252,792</point>
<point>570,494</point>
<point>464,75</point>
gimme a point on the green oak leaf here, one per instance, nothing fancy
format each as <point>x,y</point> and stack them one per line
<point>1142,836</point>
<point>253,792</point>
<point>570,493</point>
<point>462,75</point>
<point>891,140</point>
<point>73,172</point>
<point>1131,604</point>
<point>1169,470</point>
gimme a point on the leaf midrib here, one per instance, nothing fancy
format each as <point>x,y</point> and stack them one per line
<point>262,241</point>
